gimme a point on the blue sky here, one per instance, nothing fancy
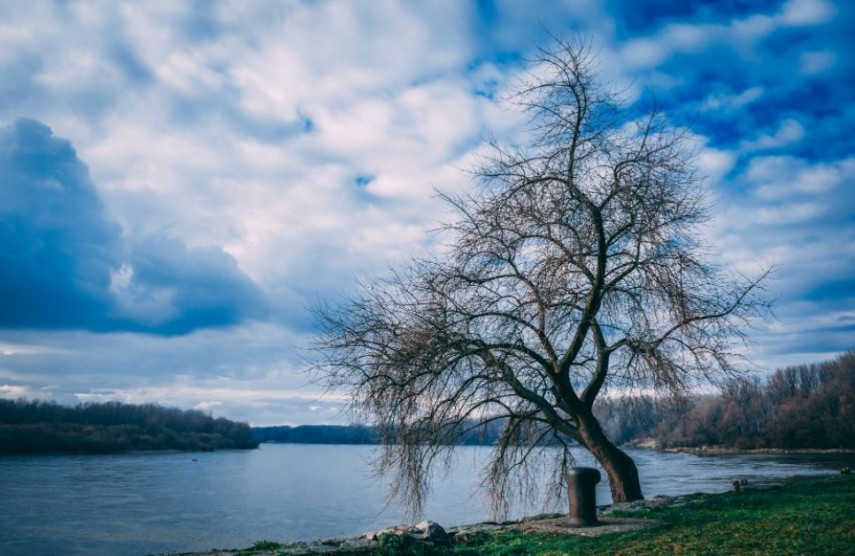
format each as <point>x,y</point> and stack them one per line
<point>181,181</point>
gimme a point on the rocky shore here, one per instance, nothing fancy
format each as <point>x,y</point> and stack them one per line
<point>430,532</point>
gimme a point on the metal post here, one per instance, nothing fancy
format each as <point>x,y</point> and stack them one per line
<point>581,483</point>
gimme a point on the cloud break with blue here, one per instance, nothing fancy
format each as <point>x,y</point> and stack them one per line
<point>181,181</point>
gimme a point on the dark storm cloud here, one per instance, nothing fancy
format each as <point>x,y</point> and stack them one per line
<point>64,262</point>
<point>205,287</point>
<point>57,244</point>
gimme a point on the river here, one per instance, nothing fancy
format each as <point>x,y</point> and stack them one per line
<point>145,503</point>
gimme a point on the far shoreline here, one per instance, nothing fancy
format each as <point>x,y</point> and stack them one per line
<point>728,450</point>
<point>724,451</point>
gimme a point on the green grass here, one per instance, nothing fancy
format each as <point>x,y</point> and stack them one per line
<point>809,516</point>
<point>803,516</point>
<point>265,545</point>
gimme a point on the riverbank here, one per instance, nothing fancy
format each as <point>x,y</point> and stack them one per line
<point>725,451</point>
<point>800,516</point>
<point>716,450</point>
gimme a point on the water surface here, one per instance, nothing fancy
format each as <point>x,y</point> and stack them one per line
<point>176,502</point>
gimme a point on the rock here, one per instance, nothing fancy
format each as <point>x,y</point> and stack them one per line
<point>432,531</point>
<point>429,532</point>
<point>397,530</point>
<point>425,532</point>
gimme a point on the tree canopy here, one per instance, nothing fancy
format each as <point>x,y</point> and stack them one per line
<point>574,265</point>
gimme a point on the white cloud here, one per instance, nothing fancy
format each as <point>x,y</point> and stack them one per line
<point>254,401</point>
<point>807,332</point>
<point>790,131</point>
<point>749,30</point>
<point>9,391</point>
<point>715,163</point>
<point>648,52</point>
<point>797,218</point>
<point>742,33</point>
<point>251,372</point>
<point>207,405</point>
<point>733,101</point>
<point>780,177</point>
<point>321,55</point>
<point>812,63</point>
<point>645,52</point>
<point>807,12</point>
<point>789,213</point>
<point>10,350</point>
<point>378,105</point>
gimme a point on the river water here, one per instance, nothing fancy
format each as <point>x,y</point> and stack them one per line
<point>175,502</point>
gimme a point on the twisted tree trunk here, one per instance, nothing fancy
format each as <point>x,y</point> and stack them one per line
<point>622,472</point>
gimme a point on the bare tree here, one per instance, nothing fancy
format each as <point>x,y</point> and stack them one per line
<point>575,265</point>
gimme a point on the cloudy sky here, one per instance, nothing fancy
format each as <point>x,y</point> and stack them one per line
<point>181,181</point>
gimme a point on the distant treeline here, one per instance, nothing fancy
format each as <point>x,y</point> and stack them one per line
<point>356,434</point>
<point>800,407</point>
<point>37,427</point>
<point>317,434</point>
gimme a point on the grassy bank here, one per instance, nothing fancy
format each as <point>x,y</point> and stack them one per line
<point>799,517</point>
<point>802,516</point>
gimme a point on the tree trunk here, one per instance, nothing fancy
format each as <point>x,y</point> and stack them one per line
<point>623,475</point>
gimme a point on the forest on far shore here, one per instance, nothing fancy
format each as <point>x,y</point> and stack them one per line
<point>39,427</point>
<point>800,407</point>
